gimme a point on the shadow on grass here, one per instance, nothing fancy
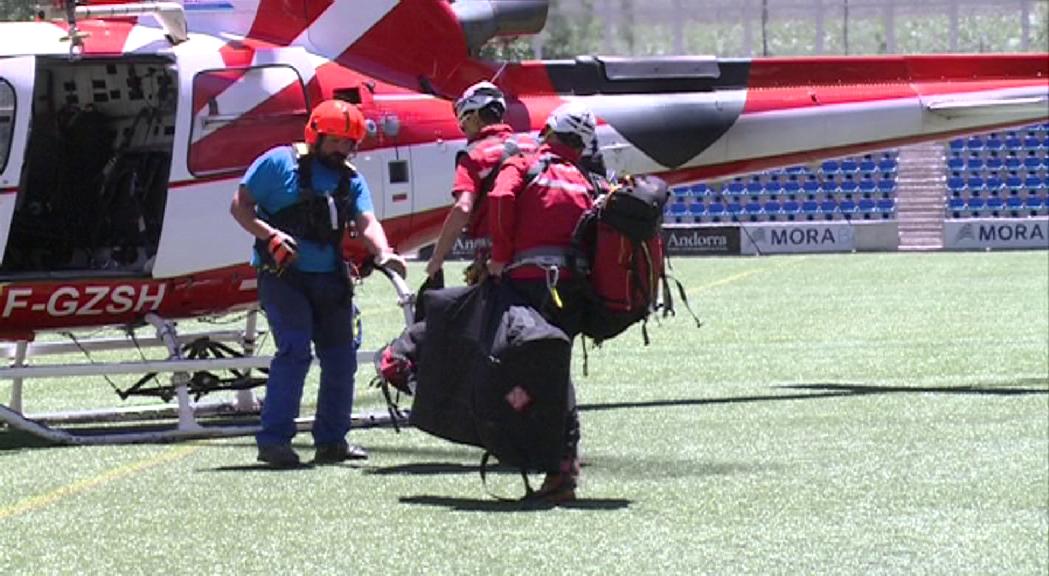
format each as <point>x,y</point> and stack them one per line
<point>821,391</point>
<point>434,469</point>
<point>475,505</point>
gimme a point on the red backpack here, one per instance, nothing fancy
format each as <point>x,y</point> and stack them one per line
<point>621,238</point>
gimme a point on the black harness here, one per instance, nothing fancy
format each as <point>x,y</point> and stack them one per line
<point>316,217</point>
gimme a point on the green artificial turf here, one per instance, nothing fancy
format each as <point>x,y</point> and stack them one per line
<point>836,414</point>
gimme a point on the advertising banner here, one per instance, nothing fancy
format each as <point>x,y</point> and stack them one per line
<point>998,233</point>
<point>797,237</point>
<point>701,240</point>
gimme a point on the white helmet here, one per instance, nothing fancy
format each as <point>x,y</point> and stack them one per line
<point>479,96</point>
<point>574,118</point>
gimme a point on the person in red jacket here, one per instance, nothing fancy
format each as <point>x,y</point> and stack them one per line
<point>533,209</point>
<point>490,141</point>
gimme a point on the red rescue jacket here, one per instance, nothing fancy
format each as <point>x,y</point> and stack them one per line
<point>542,213</point>
<point>474,168</point>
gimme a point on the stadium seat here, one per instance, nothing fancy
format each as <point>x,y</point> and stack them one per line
<point>734,187</point>
<point>846,207</point>
<point>734,208</point>
<point>957,144</point>
<point>887,165</point>
<point>974,184</point>
<point>792,186</point>
<point>715,209</point>
<point>1014,203</point>
<point>974,143</point>
<point>1032,163</point>
<point>954,183</point>
<point>994,143</point>
<point>955,163</point>
<point>755,187</point>
<point>865,205</point>
<point>790,207</point>
<point>956,204</point>
<point>994,163</point>
<point>868,166</point>
<point>886,186</point>
<point>753,208</point>
<point>1033,182</point>
<point>680,192</point>
<point>995,204</point>
<point>700,190</point>
<point>848,165</point>
<point>886,205</point>
<point>678,209</point>
<point>976,204</point>
<point>1013,142</point>
<point>849,186</point>
<point>869,186</point>
<point>1032,142</point>
<point>772,207</point>
<point>828,206</point>
<point>1034,202</point>
<point>697,210</point>
<point>830,167</point>
<point>974,164</point>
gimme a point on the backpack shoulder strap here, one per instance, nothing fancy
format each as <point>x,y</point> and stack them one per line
<point>301,152</point>
<point>537,168</point>
<point>510,148</point>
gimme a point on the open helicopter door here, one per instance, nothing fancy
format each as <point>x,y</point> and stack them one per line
<point>16,97</point>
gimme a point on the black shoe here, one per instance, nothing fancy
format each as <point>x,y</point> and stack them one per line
<point>337,452</point>
<point>278,456</point>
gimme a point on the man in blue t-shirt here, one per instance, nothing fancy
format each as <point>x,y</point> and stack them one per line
<point>297,210</point>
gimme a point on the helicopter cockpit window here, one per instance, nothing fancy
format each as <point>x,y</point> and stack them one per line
<point>7,121</point>
<point>240,113</point>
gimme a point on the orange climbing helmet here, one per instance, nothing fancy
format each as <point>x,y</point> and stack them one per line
<point>335,118</point>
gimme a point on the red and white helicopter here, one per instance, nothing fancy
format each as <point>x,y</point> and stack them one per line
<point>124,128</point>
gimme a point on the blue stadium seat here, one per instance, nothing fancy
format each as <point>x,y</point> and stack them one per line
<point>810,207</point>
<point>811,186</point>
<point>830,166</point>
<point>957,144</point>
<point>697,209</point>
<point>1013,142</point>
<point>790,207</point>
<point>772,207</point>
<point>828,206</point>
<point>1032,142</point>
<point>994,143</point>
<point>678,209</point>
<point>734,187</point>
<point>866,205</point>
<point>1014,183</point>
<point>974,143</point>
<point>869,186</point>
<point>715,209</point>
<point>886,186</point>
<point>1033,182</point>
<point>994,163</point>
<point>734,208</point>
<point>956,204</point>
<point>848,165</point>
<point>846,206</point>
<point>974,163</point>
<point>974,184</point>
<point>886,205</point>
<point>1014,203</point>
<point>680,191</point>
<point>700,190</point>
<point>1034,202</point>
<point>955,163</point>
<point>994,184</point>
<point>849,186</point>
<point>976,204</point>
<point>995,204</point>
<point>868,166</point>
<point>792,187</point>
<point>755,187</point>
<point>1032,163</point>
<point>887,165</point>
<point>1013,163</point>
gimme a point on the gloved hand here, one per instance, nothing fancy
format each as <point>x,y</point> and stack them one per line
<point>393,262</point>
<point>282,248</point>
